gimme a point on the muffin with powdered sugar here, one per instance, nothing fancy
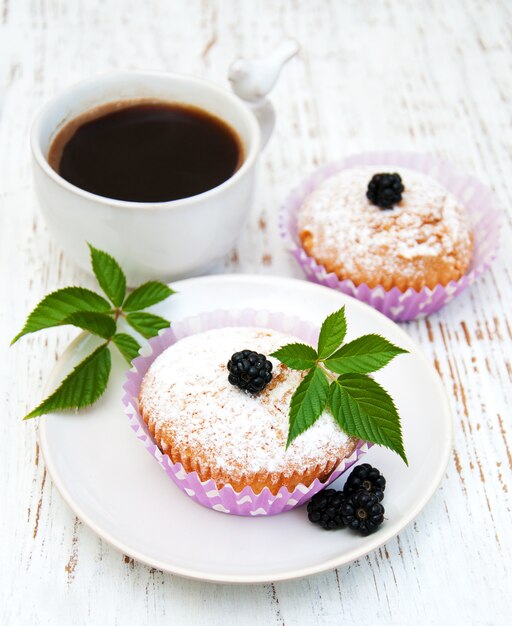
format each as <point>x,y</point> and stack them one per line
<point>199,417</point>
<point>386,226</point>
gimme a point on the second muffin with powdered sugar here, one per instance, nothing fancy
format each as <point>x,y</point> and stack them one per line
<point>420,239</point>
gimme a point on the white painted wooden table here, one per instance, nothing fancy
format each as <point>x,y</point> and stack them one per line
<point>428,76</point>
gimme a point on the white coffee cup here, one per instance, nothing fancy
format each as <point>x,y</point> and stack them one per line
<point>156,240</point>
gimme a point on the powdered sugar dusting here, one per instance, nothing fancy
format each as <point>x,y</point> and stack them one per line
<point>358,239</point>
<point>187,395</point>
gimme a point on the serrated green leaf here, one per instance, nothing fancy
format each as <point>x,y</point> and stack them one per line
<point>363,409</point>
<point>147,324</point>
<point>109,274</point>
<point>56,306</point>
<point>127,346</point>
<point>368,353</point>
<point>332,333</point>
<point>82,387</point>
<point>96,323</point>
<point>298,356</point>
<point>307,403</point>
<point>146,295</point>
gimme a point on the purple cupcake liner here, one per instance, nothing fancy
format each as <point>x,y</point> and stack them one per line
<point>225,499</point>
<point>479,201</point>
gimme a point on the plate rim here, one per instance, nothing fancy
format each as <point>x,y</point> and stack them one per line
<point>371,544</point>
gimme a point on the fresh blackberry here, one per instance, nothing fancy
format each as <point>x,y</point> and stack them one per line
<point>325,507</point>
<point>365,476</point>
<point>249,371</point>
<point>385,190</point>
<point>362,511</point>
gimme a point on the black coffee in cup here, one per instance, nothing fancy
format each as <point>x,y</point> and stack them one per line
<point>146,151</point>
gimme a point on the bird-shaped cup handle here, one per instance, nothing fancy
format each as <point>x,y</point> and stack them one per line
<point>253,79</point>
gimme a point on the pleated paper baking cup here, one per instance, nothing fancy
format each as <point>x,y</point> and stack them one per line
<point>207,493</point>
<point>484,217</point>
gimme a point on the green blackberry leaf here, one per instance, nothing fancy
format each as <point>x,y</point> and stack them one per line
<point>307,403</point>
<point>365,354</point>
<point>332,333</point>
<point>109,274</point>
<point>363,409</point>
<point>96,323</point>
<point>298,356</point>
<point>57,306</point>
<point>147,324</point>
<point>82,387</point>
<point>146,295</point>
<point>127,346</point>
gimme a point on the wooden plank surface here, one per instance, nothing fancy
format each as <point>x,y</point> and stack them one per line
<point>430,76</point>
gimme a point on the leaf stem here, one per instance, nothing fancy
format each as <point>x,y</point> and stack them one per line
<point>332,377</point>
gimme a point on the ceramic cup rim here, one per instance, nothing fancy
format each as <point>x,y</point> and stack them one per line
<point>252,149</point>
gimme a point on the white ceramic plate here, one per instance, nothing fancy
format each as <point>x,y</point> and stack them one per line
<point>117,488</point>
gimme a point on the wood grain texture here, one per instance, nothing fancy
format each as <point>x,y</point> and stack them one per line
<point>430,76</point>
